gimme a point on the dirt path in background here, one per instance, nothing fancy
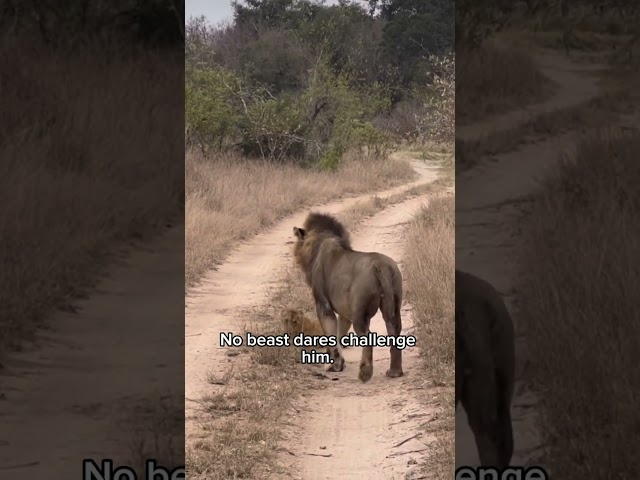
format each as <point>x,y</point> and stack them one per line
<point>361,425</point>
<point>487,215</point>
<point>364,419</point>
<point>575,84</point>
<point>62,402</point>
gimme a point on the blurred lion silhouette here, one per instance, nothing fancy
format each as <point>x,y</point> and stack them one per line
<point>485,367</point>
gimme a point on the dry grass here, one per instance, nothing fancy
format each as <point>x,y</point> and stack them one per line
<point>495,80</point>
<point>156,429</point>
<point>241,434</point>
<point>230,199</point>
<point>578,292</point>
<point>90,159</point>
<point>247,414</point>
<point>429,271</point>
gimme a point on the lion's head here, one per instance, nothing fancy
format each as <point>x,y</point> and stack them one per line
<point>295,321</point>
<point>291,320</point>
<point>318,228</point>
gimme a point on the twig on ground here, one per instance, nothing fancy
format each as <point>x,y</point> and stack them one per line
<point>406,440</point>
<point>405,453</point>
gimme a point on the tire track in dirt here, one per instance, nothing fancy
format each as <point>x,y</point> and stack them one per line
<point>487,217</point>
<point>361,425</point>
<point>218,303</point>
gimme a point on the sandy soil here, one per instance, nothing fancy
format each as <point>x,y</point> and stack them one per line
<point>487,212</point>
<point>348,416</point>
<point>74,395</point>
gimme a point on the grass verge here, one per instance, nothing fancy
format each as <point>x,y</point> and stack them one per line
<point>429,270</point>
<point>244,425</point>
<point>578,289</point>
<point>495,80</point>
<point>230,199</point>
<point>88,163</point>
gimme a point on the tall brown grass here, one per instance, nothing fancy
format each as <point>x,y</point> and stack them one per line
<point>495,80</point>
<point>429,268</point>
<point>578,291</point>
<point>91,156</point>
<point>230,198</point>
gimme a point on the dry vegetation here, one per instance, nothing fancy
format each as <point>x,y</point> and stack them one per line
<point>578,292</point>
<point>242,433</point>
<point>495,79</point>
<point>156,431</point>
<point>89,161</point>
<point>229,198</point>
<point>247,413</point>
<point>429,272</point>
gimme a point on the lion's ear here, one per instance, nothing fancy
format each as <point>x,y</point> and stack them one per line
<point>299,232</point>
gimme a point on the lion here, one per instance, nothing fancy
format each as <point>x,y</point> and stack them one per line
<point>295,322</point>
<point>485,367</point>
<point>350,284</point>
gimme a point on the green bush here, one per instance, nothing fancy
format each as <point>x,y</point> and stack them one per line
<point>211,106</point>
<point>296,80</point>
<point>274,128</point>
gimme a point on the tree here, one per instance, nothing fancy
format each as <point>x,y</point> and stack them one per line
<point>413,28</point>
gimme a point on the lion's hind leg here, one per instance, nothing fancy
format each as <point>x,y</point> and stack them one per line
<point>394,328</point>
<point>329,324</point>
<point>478,399</point>
<point>361,327</point>
<point>505,428</point>
<point>344,324</point>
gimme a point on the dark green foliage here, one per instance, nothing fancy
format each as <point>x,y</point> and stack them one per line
<point>275,60</point>
<point>413,30</point>
<point>154,23</point>
<point>297,79</point>
<point>477,19</point>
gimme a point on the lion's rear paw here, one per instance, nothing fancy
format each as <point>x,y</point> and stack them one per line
<point>394,372</point>
<point>366,372</point>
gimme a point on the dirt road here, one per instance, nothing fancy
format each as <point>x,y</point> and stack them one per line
<point>362,418</point>
<point>487,213</point>
<point>77,394</point>
<point>574,84</point>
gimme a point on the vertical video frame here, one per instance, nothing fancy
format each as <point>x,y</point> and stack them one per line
<point>319,239</point>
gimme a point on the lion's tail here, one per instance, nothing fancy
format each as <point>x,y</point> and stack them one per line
<point>388,298</point>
